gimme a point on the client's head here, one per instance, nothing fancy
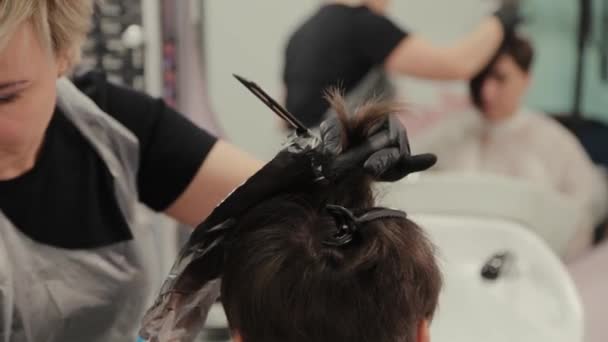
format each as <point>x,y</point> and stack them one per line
<point>286,280</point>
<point>498,90</point>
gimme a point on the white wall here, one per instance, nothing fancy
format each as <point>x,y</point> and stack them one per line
<point>248,38</point>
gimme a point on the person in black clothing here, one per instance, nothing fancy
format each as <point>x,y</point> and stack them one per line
<point>345,40</point>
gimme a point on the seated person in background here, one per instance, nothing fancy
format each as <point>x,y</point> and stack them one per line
<point>510,140</point>
<point>303,271</point>
<point>351,44</point>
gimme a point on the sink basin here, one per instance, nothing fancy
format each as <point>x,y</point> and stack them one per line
<point>541,210</point>
<point>533,300</point>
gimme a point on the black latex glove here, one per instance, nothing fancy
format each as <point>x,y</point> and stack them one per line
<point>509,15</point>
<point>389,161</point>
<point>307,159</point>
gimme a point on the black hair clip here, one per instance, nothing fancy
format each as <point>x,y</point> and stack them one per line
<point>348,223</point>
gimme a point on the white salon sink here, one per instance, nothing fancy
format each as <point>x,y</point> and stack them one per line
<point>541,210</point>
<point>534,300</point>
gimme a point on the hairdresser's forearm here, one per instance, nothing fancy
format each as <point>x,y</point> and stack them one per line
<point>416,56</point>
<point>477,49</point>
<point>225,168</point>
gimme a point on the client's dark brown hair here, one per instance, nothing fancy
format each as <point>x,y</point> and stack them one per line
<point>283,284</point>
<point>514,46</point>
<point>522,52</point>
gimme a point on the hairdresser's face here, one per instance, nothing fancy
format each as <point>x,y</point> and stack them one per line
<point>28,72</point>
<point>503,89</point>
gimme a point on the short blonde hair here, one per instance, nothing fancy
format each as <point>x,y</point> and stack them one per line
<point>62,25</point>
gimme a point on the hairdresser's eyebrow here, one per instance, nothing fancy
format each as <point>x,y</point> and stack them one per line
<point>13,84</point>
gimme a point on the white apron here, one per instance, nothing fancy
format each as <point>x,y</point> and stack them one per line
<point>49,294</point>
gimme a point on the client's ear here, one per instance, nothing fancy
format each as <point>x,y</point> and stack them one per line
<point>424,333</point>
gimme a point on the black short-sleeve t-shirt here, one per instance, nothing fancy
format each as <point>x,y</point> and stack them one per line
<point>337,47</point>
<point>67,200</point>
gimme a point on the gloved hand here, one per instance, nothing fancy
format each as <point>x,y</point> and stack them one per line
<point>509,15</point>
<point>307,158</point>
<point>389,160</point>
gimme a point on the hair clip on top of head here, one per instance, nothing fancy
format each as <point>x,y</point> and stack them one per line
<point>348,224</point>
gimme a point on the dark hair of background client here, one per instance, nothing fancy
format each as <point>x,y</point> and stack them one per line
<point>515,47</point>
<point>281,283</point>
